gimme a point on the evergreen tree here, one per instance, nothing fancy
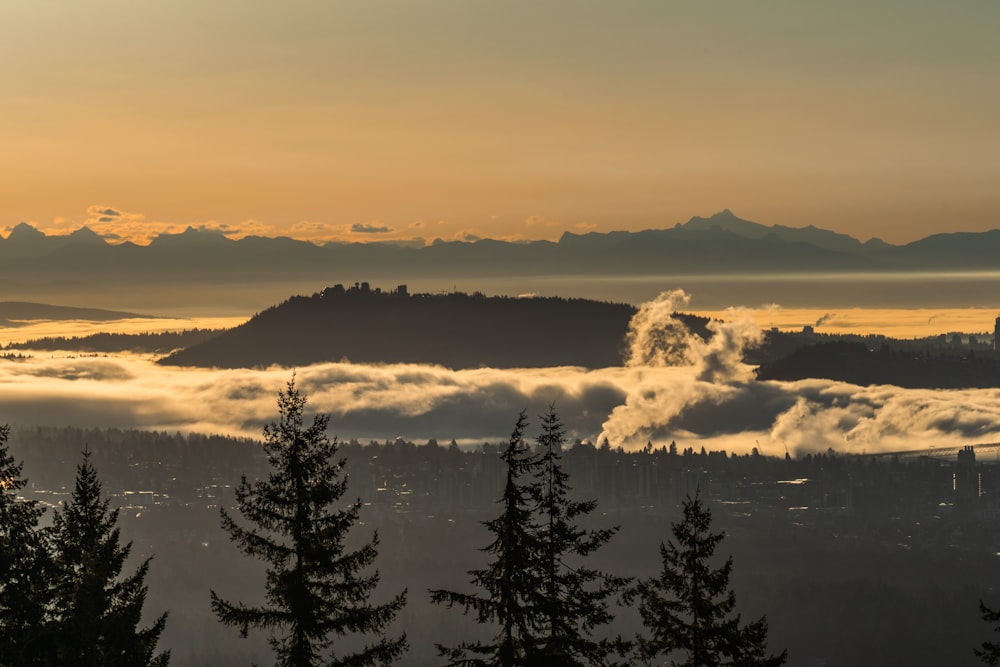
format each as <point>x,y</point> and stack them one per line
<point>689,607</point>
<point>989,652</point>
<point>316,589</point>
<point>510,580</point>
<point>96,612</point>
<point>536,589</point>
<point>23,569</point>
<point>573,598</point>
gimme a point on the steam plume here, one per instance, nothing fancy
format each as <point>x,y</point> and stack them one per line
<point>701,370</point>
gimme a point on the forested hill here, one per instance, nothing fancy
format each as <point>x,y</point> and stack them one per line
<point>853,362</point>
<point>456,330</point>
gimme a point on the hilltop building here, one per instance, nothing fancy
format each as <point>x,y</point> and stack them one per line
<point>362,289</point>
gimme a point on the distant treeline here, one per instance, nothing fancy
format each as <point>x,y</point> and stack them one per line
<point>160,342</point>
<point>854,362</point>
<point>407,476</point>
<point>839,551</point>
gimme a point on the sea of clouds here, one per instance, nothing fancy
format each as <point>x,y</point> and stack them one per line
<point>672,387</point>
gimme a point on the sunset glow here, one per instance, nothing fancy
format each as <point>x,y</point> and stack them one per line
<point>360,121</point>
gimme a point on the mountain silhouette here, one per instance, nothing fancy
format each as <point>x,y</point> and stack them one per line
<point>21,311</point>
<point>821,238</point>
<point>33,264</point>
<point>456,330</point>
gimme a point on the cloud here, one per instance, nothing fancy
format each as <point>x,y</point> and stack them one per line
<point>364,401</point>
<point>674,387</point>
<point>688,388</point>
<point>654,337</point>
<point>118,225</point>
<point>360,228</point>
<point>680,374</point>
<point>628,405</point>
<point>222,228</point>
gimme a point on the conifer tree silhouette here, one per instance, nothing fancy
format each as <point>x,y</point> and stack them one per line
<point>574,598</point>
<point>96,611</point>
<point>537,590</point>
<point>688,609</point>
<point>510,580</point>
<point>316,590</point>
<point>989,652</point>
<point>23,569</point>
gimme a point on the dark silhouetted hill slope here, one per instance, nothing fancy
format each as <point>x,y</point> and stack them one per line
<point>853,362</point>
<point>455,330</point>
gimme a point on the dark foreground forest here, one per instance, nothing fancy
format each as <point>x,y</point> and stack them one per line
<point>841,554</point>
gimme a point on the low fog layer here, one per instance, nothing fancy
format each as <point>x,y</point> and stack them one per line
<point>673,387</point>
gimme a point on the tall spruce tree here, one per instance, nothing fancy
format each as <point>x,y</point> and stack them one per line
<point>537,589</point>
<point>989,652</point>
<point>689,608</point>
<point>316,589</point>
<point>96,611</point>
<point>23,570</point>
<point>573,598</point>
<point>510,581</point>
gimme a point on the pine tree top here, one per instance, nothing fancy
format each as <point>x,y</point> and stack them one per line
<point>689,607</point>
<point>316,590</point>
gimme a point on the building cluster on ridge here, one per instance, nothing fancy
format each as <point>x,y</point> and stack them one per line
<point>362,289</point>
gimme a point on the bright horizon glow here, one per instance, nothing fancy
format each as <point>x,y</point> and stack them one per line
<point>20,332</point>
<point>902,323</point>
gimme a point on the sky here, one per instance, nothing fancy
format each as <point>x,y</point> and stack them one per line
<point>366,119</point>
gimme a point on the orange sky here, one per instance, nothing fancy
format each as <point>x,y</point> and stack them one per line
<point>360,119</point>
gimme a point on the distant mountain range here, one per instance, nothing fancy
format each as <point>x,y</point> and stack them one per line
<point>208,270</point>
<point>721,243</point>
<point>12,312</point>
